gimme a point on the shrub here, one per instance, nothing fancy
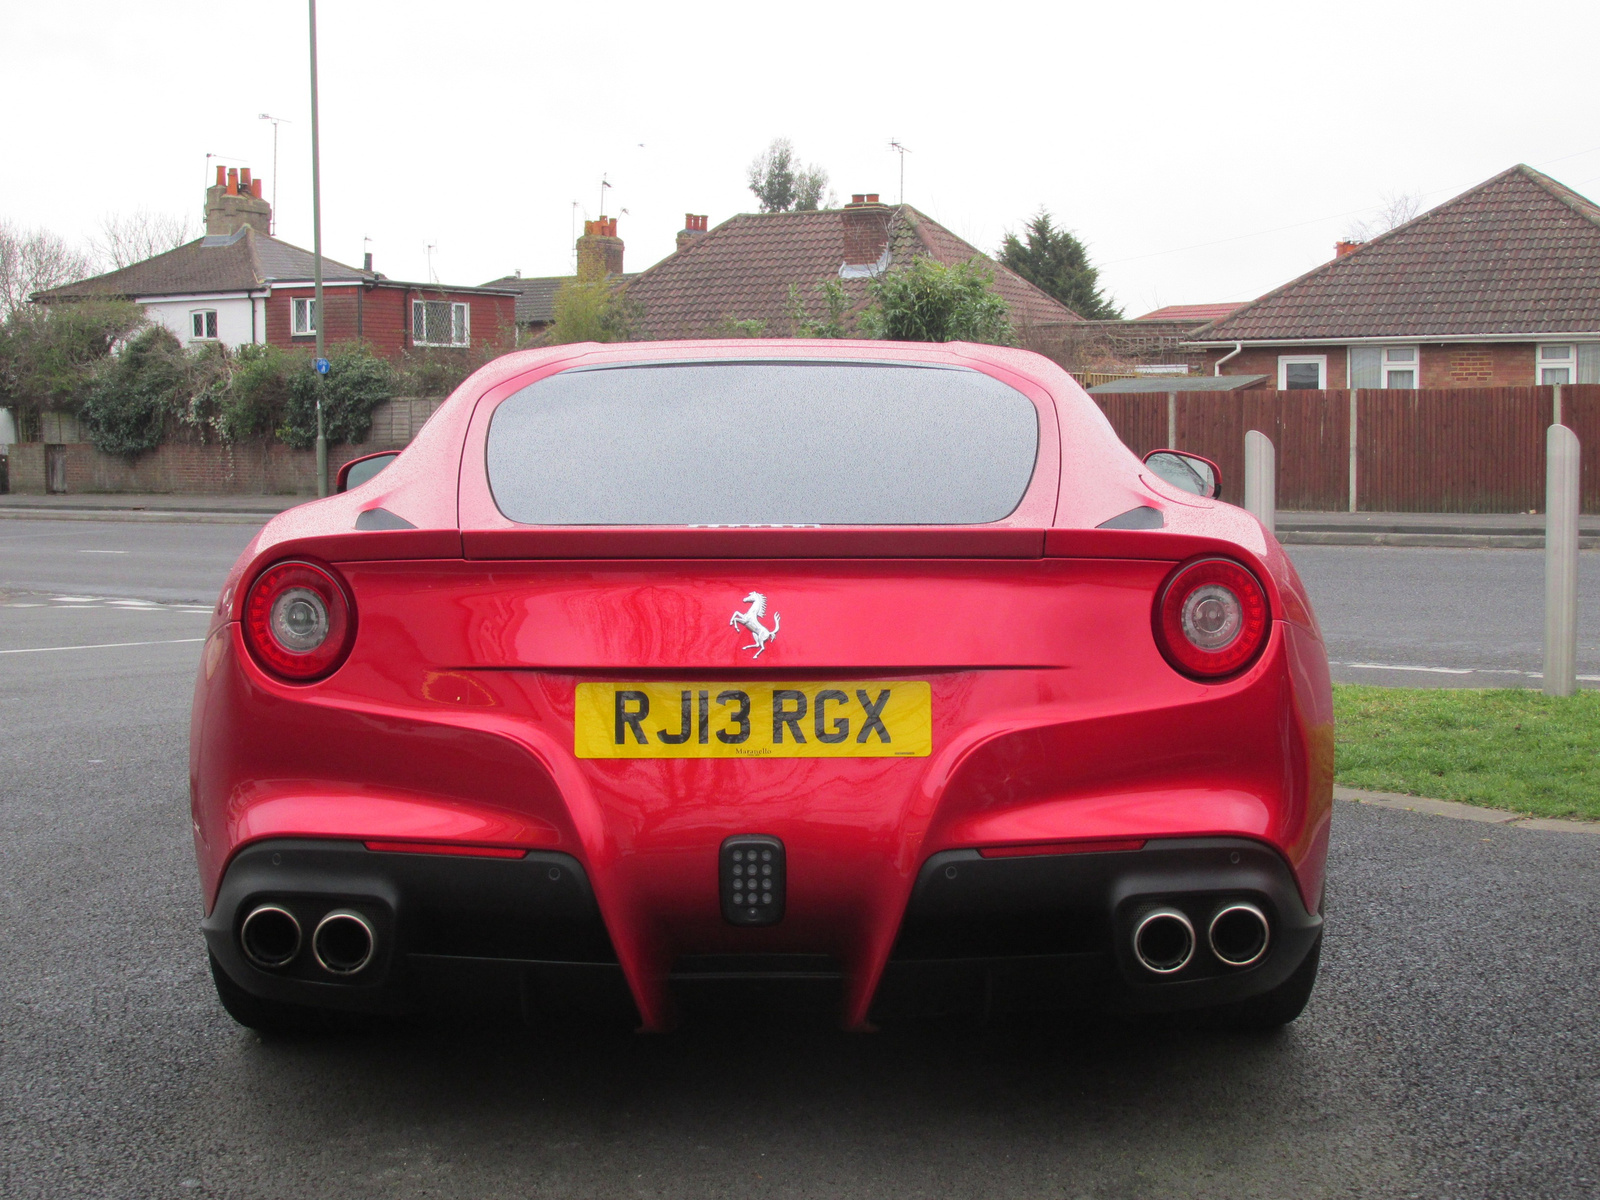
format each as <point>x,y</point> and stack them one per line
<point>48,353</point>
<point>593,310</point>
<point>133,396</point>
<point>931,302</point>
<point>429,371</point>
<point>834,298</point>
<point>357,382</point>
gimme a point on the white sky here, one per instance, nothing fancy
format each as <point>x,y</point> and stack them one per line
<point>1204,152</point>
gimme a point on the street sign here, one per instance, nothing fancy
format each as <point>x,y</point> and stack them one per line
<point>321,365</point>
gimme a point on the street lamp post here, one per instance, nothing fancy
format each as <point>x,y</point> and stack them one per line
<point>316,255</point>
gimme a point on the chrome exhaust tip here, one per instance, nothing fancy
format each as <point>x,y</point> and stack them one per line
<point>1239,934</point>
<point>343,942</point>
<point>270,936</point>
<point>1163,941</point>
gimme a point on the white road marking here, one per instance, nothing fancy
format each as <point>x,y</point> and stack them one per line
<point>101,646</point>
<point>1398,667</point>
<point>102,552</point>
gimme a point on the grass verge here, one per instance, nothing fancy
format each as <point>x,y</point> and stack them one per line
<point>1501,747</point>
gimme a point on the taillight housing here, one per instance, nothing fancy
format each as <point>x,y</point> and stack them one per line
<point>299,621</point>
<point>1211,618</point>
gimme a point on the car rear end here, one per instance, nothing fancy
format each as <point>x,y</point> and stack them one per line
<point>805,669</point>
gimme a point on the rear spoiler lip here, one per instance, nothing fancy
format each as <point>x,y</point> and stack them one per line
<point>613,542</point>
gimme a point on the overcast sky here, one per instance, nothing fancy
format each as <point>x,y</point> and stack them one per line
<point>1203,152</point>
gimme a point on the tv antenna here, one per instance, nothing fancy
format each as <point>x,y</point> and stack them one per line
<point>432,246</point>
<point>272,225</point>
<point>902,151</point>
<point>604,185</point>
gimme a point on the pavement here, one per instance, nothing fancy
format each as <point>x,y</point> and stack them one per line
<point>1521,531</point>
<point>1451,1051</point>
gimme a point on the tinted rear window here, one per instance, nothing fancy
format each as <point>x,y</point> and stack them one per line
<point>762,443</point>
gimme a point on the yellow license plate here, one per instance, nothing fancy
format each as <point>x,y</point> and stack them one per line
<point>888,719</point>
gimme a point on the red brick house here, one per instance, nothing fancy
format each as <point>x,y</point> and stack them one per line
<point>739,275</point>
<point>1498,287</point>
<point>240,286</point>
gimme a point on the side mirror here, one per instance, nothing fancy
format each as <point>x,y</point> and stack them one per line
<point>358,470</point>
<point>1187,471</point>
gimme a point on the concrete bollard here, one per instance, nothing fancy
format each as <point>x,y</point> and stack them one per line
<point>1261,478</point>
<point>1561,562</point>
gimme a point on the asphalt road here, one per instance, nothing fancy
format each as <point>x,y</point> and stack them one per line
<point>1452,1048</point>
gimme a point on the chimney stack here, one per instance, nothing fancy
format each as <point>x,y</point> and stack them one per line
<point>693,227</point>
<point>599,250</point>
<point>234,201</point>
<point>1340,249</point>
<point>866,233</point>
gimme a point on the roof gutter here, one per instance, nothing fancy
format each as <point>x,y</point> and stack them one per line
<point>1547,335</point>
<point>1237,347</point>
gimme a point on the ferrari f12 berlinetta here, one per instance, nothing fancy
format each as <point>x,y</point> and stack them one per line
<point>879,672</point>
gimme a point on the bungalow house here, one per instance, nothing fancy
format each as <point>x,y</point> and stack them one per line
<point>1498,287</point>
<point>239,286</point>
<point>741,275</point>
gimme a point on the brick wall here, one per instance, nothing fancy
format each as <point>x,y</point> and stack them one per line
<point>381,317</point>
<point>1481,365</point>
<point>1263,360</point>
<point>187,468</point>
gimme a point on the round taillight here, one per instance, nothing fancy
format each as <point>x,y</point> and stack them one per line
<point>1211,618</point>
<point>298,621</point>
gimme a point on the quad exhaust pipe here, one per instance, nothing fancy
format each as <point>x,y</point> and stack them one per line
<point>270,936</point>
<point>1239,934</point>
<point>343,942</point>
<point>1164,939</point>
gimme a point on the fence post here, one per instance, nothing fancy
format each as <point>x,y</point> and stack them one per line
<point>1355,400</point>
<point>1561,562</point>
<point>1172,420</point>
<point>1555,414</point>
<point>1261,478</point>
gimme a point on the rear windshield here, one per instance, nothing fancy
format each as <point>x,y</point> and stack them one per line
<point>763,443</point>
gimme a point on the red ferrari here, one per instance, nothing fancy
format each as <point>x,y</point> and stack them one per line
<point>879,672</point>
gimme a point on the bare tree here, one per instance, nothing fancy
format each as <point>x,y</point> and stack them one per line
<point>127,238</point>
<point>32,260</point>
<point>1397,208</point>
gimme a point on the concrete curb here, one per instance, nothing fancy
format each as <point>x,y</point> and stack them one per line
<point>161,516</point>
<point>1480,541</point>
<point>1464,812</point>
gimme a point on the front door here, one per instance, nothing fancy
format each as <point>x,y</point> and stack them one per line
<point>55,469</point>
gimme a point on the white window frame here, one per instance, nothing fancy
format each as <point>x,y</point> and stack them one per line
<point>1414,366</point>
<point>302,316</point>
<point>1285,361</point>
<point>207,320</point>
<point>1567,363</point>
<point>460,322</point>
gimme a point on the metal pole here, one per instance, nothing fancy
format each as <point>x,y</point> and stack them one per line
<point>1561,562</point>
<point>316,255</point>
<point>1172,420</point>
<point>1355,401</point>
<point>1261,478</point>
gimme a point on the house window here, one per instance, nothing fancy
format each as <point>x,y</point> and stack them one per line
<point>305,316</point>
<point>1558,364</point>
<point>1302,371</point>
<point>203,324</point>
<point>1400,366</point>
<point>440,323</point>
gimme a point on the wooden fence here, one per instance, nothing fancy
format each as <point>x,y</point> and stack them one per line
<point>1423,450</point>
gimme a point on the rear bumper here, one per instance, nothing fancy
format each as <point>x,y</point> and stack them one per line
<point>1046,931</point>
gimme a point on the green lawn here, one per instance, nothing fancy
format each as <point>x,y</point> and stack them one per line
<point>1502,747</point>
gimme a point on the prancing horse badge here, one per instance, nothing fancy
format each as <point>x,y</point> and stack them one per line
<point>751,620</point>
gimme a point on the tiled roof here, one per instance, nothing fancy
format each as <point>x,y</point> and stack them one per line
<point>238,262</point>
<point>1189,312</point>
<point>536,295</point>
<point>742,271</point>
<point>1517,254</point>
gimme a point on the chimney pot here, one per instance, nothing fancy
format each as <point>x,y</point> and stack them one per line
<point>872,197</point>
<point>233,181</point>
<point>366,264</point>
<point>244,178</point>
<point>858,198</point>
<point>255,188</point>
<point>1340,249</point>
<point>222,175</point>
